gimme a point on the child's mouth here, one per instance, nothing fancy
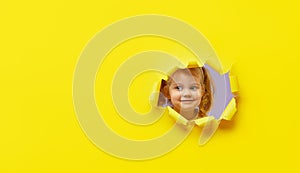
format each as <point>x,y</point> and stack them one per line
<point>186,100</point>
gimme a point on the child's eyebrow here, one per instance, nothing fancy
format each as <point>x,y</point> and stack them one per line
<point>174,83</point>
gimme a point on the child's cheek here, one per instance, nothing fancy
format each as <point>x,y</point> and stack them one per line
<point>176,95</point>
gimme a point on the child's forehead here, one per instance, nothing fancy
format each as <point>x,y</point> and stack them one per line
<point>184,77</point>
<point>182,73</point>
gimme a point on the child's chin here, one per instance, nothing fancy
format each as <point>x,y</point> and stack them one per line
<point>187,109</point>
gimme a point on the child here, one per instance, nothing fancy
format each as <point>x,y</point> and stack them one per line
<point>189,92</point>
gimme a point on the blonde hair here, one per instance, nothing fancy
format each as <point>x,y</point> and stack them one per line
<point>198,73</point>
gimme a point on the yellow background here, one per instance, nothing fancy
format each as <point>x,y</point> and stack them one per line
<point>42,41</point>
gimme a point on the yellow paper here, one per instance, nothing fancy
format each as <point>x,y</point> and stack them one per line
<point>41,42</point>
<point>229,110</point>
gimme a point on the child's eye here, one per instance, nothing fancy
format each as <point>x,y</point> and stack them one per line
<point>194,88</point>
<point>179,88</point>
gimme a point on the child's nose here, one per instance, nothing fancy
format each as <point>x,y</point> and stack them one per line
<point>186,93</point>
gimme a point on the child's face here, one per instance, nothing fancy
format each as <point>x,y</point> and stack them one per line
<point>185,91</point>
